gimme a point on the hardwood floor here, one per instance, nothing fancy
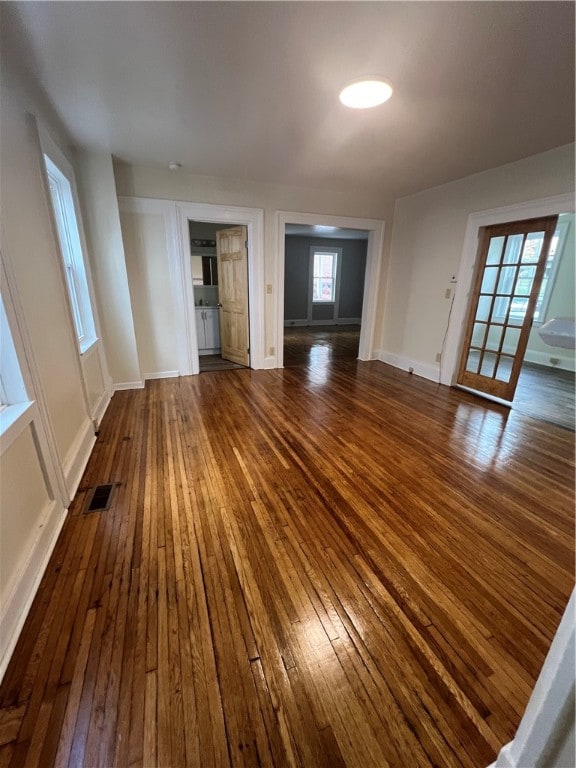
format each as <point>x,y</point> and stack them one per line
<point>304,345</point>
<point>316,566</point>
<point>546,393</point>
<point>211,363</point>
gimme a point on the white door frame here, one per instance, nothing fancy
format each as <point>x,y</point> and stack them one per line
<point>253,219</point>
<point>375,228</point>
<point>547,721</point>
<point>548,206</point>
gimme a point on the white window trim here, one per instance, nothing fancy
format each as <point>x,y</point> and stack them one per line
<point>314,249</point>
<point>72,253</point>
<point>16,412</point>
<point>26,402</point>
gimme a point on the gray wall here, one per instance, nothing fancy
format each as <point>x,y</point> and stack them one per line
<point>297,286</point>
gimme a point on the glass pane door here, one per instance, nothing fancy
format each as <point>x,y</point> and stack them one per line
<point>510,269</point>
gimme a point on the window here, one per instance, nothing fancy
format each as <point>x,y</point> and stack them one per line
<point>14,401</point>
<point>324,275</point>
<point>71,252</point>
<point>554,256</point>
<point>526,273</point>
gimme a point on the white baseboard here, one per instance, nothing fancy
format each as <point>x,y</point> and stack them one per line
<point>505,759</point>
<point>77,457</point>
<point>339,321</point>
<point>101,407</point>
<point>15,609</point>
<point>270,363</point>
<point>543,358</point>
<point>162,375</point>
<point>128,385</point>
<point>425,370</point>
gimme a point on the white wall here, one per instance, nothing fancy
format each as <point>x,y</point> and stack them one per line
<point>133,181</point>
<point>102,223</point>
<point>426,249</point>
<point>145,246</point>
<point>30,241</point>
<point>42,462</point>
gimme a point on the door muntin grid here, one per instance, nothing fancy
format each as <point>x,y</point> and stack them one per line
<point>507,282</point>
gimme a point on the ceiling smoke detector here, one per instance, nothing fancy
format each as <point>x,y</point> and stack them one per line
<point>365,93</point>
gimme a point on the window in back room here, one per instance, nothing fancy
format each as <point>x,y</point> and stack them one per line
<point>324,275</point>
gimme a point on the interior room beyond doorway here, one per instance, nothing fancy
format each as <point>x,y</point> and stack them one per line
<point>206,287</point>
<point>324,275</point>
<point>320,344</point>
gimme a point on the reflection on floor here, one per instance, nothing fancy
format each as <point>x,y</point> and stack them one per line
<point>546,393</point>
<point>216,363</point>
<point>320,343</point>
<point>542,393</point>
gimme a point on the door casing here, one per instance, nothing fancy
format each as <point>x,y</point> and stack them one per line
<point>375,228</point>
<point>478,381</point>
<point>457,324</point>
<point>253,219</point>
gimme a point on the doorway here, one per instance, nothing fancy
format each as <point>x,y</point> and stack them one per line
<point>510,268</point>
<point>545,380</point>
<point>372,231</point>
<point>323,292</point>
<point>219,270</point>
<point>226,217</point>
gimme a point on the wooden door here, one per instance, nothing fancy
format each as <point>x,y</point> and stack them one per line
<point>511,262</point>
<point>232,257</point>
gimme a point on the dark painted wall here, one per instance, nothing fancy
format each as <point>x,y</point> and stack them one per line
<point>297,278</point>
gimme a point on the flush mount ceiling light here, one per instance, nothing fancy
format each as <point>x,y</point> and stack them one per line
<point>366,93</point>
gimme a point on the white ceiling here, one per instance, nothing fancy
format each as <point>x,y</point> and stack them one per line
<point>250,90</point>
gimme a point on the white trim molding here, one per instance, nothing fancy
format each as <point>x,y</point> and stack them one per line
<point>162,375</point>
<point>26,581</point>
<point>425,370</point>
<point>48,148</point>
<point>77,457</point>
<point>549,206</point>
<point>122,385</point>
<point>166,209</point>
<point>547,726</point>
<point>176,216</point>
<point>43,430</point>
<point>564,363</point>
<point>101,406</point>
<point>375,229</point>
<point>253,220</point>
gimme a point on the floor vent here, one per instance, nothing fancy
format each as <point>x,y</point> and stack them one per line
<point>100,498</point>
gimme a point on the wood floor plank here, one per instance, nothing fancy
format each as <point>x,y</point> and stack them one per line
<point>334,564</point>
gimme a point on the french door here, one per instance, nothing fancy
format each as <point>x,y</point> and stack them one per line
<point>510,267</point>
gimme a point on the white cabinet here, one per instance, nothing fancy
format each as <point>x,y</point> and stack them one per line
<point>208,330</point>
